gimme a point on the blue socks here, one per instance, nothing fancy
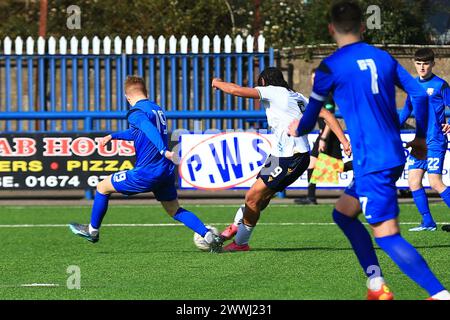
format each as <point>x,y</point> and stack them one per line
<point>99,209</point>
<point>410,262</point>
<point>421,200</point>
<point>360,240</point>
<point>191,221</point>
<point>445,195</point>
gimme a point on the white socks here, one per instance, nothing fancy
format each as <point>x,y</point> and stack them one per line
<point>239,216</point>
<point>92,229</point>
<point>243,234</point>
<point>443,295</point>
<point>375,283</point>
<point>209,237</point>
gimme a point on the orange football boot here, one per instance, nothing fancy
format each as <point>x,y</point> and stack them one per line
<point>383,294</point>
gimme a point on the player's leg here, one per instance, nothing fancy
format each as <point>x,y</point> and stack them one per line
<point>232,229</point>
<point>311,197</point>
<point>276,175</point>
<point>435,169</point>
<point>91,231</point>
<point>186,217</point>
<point>415,176</point>
<point>166,193</point>
<point>254,198</point>
<point>408,259</point>
<point>345,215</point>
<point>104,189</point>
<point>378,194</point>
<point>437,184</point>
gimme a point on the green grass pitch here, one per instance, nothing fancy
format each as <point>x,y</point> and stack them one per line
<point>297,253</point>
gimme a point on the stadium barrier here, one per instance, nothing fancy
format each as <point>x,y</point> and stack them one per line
<point>67,80</point>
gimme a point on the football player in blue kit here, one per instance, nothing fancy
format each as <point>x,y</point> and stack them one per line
<point>153,171</point>
<point>362,80</point>
<point>439,98</point>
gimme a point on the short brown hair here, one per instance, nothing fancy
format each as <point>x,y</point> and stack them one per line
<point>424,55</point>
<point>346,17</point>
<point>135,85</point>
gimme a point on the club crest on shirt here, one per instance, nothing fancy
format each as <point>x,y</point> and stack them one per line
<point>430,91</point>
<point>301,105</point>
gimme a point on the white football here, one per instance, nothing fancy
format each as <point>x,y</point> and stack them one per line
<point>200,242</point>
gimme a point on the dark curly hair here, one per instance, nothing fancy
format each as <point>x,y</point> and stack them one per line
<point>272,77</point>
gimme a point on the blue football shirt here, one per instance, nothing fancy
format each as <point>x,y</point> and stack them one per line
<point>439,97</point>
<point>362,80</point>
<point>148,130</point>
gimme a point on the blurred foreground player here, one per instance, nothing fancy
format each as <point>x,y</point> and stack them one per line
<point>153,171</point>
<point>362,79</point>
<point>327,143</point>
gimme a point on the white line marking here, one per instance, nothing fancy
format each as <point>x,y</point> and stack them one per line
<point>181,225</point>
<point>40,285</point>
<point>150,205</point>
<point>156,205</point>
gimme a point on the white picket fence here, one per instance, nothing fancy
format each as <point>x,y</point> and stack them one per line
<point>132,46</point>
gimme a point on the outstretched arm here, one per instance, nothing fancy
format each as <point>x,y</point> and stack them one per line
<point>123,135</point>
<point>234,89</point>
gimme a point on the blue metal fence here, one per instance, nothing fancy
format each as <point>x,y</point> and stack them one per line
<point>77,92</point>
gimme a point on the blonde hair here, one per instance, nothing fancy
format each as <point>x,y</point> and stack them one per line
<point>135,85</point>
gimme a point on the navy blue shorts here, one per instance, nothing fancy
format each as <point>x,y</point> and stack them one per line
<point>377,194</point>
<point>280,172</point>
<point>128,183</point>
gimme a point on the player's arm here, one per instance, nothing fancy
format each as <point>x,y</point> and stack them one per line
<point>418,98</point>
<point>323,136</point>
<point>140,120</point>
<point>323,82</point>
<point>334,125</point>
<point>325,133</point>
<point>419,101</point>
<point>122,135</point>
<point>234,89</point>
<point>406,111</point>
<point>445,91</point>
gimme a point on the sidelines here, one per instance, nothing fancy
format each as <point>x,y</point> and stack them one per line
<point>141,225</point>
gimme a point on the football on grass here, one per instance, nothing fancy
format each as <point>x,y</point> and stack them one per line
<point>200,242</point>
